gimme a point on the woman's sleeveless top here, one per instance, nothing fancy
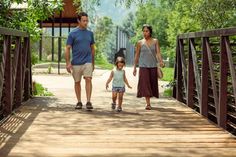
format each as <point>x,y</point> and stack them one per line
<point>147,57</point>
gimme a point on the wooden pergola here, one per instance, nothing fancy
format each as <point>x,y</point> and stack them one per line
<point>65,18</point>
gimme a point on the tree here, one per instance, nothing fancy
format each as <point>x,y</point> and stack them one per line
<point>216,13</point>
<point>27,19</point>
<point>103,34</point>
<point>172,17</point>
<point>154,14</point>
<point>128,25</point>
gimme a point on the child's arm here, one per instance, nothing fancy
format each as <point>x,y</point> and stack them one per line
<point>126,81</point>
<point>109,79</point>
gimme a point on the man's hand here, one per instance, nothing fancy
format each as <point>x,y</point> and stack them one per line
<point>69,68</point>
<point>107,86</point>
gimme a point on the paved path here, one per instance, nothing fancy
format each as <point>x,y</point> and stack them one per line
<point>50,127</point>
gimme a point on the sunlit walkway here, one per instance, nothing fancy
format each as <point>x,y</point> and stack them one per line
<point>51,127</point>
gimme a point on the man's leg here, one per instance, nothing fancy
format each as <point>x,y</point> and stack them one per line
<point>88,88</point>
<point>78,90</point>
<point>77,74</point>
<point>88,72</point>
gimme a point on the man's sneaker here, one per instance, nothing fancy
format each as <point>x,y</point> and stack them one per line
<point>78,106</point>
<point>89,106</point>
<point>113,106</point>
<point>119,109</point>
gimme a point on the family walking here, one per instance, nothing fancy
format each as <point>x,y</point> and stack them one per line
<point>147,55</point>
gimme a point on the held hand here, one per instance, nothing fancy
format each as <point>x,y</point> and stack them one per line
<point>68,68</point>
<point>134,72</point>
<point>162,64</point>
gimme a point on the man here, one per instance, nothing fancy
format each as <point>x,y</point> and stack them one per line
<point>82,42</point>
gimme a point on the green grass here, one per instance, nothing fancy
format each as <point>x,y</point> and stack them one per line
<point>168,92</point>
<point>168,74</point>
<point>104,64</point>
<point>39,90</point>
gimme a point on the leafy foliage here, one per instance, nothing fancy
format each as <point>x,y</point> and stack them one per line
<point>103,36</point>
<point>172,17</point>
<point>27,19</point>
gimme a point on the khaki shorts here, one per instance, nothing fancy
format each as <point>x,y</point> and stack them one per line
<point>85,70</point>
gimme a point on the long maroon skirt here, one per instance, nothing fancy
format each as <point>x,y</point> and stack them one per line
<point>148,83</point>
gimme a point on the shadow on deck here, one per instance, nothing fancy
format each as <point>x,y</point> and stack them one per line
<point>51,127</point>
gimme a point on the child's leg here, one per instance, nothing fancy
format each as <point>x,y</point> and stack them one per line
<point>120,99</point>
<point>114,97</point>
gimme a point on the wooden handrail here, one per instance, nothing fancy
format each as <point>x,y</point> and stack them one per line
<point>13,32</point>
<point>211,33</point>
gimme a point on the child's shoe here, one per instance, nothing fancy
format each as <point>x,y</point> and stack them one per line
<point>113,106</point>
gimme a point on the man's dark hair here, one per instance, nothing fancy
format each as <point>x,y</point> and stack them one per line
<point>148,27</point>
<point>82,14</point>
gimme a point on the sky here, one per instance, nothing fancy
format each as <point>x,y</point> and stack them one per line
<point>117,13</point>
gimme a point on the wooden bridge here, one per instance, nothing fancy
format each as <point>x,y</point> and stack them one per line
<point>49,126</point>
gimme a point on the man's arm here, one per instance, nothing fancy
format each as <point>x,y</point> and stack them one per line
<point>67,57</point>
<point>93,54</point>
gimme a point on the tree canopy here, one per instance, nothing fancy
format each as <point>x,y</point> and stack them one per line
<point>172,17</point>
<point>26,19</point>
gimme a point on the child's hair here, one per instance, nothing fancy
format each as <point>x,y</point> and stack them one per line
<point>119,60</point>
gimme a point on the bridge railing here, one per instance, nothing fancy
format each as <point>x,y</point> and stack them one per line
<point>15,70</point>
<point>205,74</point>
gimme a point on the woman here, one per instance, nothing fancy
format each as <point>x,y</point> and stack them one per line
<point>147,55</point>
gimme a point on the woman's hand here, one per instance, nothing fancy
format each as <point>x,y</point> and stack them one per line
<point>107,86</point>
<point>135,71</point>
<point>162,64</point>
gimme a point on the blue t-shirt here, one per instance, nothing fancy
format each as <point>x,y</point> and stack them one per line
<point>81,41</point>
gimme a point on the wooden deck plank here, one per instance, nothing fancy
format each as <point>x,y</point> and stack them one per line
<point>50,127</point>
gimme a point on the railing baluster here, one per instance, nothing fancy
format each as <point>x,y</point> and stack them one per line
<point>190,101</point>
<point>179,92</point>
<point>224,66</point>
<point>204,85</point>
<point>196,72</point>
<point>213,81</point>
<point>7,100</point>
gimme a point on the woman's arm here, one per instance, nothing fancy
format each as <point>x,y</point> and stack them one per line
<point>126,81</point>
<point>158,52</point>
<point>136,58</point>
<point>109,79</point>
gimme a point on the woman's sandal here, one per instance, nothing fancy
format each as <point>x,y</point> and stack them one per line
<point>148,107</point>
